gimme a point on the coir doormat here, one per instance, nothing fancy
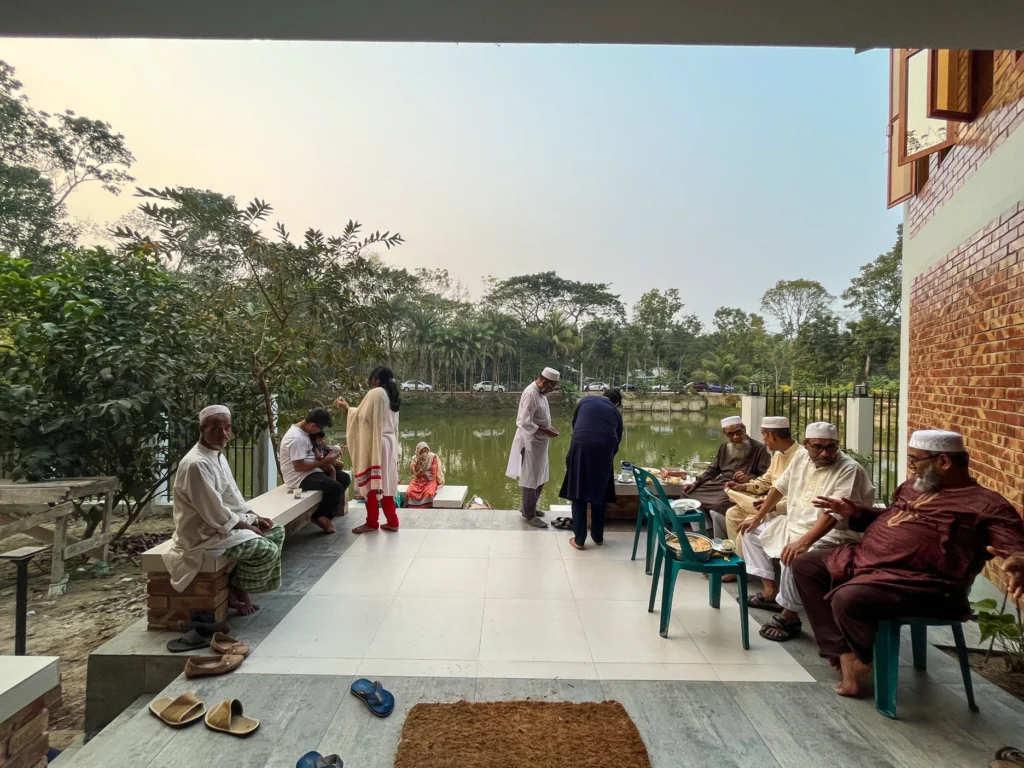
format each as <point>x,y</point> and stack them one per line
<point>520,734</point>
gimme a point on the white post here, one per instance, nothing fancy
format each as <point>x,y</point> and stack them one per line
<point>266,466</point>
<point>163,491</point>
<point>860,425</point>
<point>753,410</point>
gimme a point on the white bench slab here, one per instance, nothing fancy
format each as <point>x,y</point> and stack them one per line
<point>23,679</point>
<point>279,505</point>
<point>448,496</point>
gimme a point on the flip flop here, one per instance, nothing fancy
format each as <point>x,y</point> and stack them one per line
<point>192,640</point>
<point>226,645</point>
<point>179,712</point>
<point>204,627</point>
<point>227,717</point>
<point>380,702</point>
<point>316,760</point>
<point>205,666</point>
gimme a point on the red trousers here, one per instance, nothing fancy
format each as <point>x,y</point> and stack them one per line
<point>373,514</point>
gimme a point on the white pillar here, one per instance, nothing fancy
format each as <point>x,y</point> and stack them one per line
<point>265,464</point>
<point>753,410</point>
<point>860,425</point>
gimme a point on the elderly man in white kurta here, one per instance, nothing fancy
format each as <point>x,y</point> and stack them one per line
<point>212,518</point>
<point>819,469</point>
<point>528,460</point>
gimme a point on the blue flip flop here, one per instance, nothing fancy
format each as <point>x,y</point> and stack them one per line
<point>380,702</point>
<point>316,760</point>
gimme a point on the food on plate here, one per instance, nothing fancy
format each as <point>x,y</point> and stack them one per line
<point>699,543</point>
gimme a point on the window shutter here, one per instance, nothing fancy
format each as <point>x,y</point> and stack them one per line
<point>901,179</point>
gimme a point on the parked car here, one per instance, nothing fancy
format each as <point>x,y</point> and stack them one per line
<point>630,387</point>
<point>661,388</point>
<point>412,385</point>
<point>488,386</point>
<point>596,386</point>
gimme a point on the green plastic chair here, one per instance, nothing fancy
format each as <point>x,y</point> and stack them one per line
<point>686,560</point>
<point>887,658</point>
<point>645,513</point>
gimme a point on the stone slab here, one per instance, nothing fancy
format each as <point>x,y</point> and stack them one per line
<point>23,679</point>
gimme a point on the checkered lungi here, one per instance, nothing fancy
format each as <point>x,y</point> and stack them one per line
<point>258,562</point>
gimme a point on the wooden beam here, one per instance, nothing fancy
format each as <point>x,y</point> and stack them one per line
<point>24,524</point>
<point>87,545</point>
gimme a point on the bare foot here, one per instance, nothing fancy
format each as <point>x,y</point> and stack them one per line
<point>574,545</point>
<point>239,600</point>
<point>853,670</point>
<point>325,525</point>
<point>364,528</point>
<point>389,527</point>
<point>729,578</point>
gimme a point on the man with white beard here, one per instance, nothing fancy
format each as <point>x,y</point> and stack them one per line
<point>739,460</point>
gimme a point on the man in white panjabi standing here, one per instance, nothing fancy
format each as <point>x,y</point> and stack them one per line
<point>528,460</point>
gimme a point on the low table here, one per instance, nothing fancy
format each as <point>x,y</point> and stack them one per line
<point>628,503</point>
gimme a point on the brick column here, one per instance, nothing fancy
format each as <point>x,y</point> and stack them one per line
<point>25,735</point>
<point>207,592</point>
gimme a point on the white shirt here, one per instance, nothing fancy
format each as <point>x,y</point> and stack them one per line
<point>296,445</point>
<point>207,506</point>
<point>528,459</point>
<point>801,483</point>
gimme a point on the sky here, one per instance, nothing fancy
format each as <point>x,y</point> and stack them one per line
<point>717,171</point>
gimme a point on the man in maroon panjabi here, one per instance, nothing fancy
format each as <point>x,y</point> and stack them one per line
<point>919,557</point>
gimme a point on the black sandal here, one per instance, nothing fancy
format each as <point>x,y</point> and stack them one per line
<point>562,523</point>
<point>779,630</point>
<point>763,603</point>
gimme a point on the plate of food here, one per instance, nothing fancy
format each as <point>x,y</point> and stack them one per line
<point>685,505</point>
<point>725,546</point>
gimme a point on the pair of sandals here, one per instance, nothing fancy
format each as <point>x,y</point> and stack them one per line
<point>230,655</point>
<point>186,709</point>
<point>562,523</point>
<point>778,630</point>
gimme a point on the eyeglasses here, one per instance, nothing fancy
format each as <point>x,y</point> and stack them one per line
<point>914,462</point>
<point>830,448</point>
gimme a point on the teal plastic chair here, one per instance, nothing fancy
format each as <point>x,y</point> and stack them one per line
<point>645,513</point>
<point>686,560</point>
<point>887,658</point>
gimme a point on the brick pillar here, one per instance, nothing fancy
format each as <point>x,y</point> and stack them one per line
<point>207,592</point>
<point>25,735</point>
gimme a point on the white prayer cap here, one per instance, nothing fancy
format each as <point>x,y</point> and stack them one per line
<point>551,374</point>
<point>732,421</point>
<point>937,441</point>
<point>821,430</point>
<point>213,410</point>
<point>774,422</point>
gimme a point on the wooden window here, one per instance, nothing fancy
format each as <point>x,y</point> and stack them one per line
<point>1019,60</point>
<point>983,78</point>
<point>919,135</point>
<point>901,179</point>
<point>950,92</point>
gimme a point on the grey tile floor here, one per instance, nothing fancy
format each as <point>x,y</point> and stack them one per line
<point>683,723</point>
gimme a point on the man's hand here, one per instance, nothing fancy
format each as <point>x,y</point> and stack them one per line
<point>241,525</point>
<point>749,524</point>
<point>1013,569</point>
<point>790,552</point>
<point>841,507</point>
<point>548,431</point>
<point>740,477</point>
<point>688,488</point>
<point>263,523</point>
<point>735,486</point>
<point>341,402</point>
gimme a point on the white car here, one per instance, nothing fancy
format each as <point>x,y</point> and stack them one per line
<point>415,386</point>
<point>661,388</point>
<point>597,386</point>
<point>488,386</point>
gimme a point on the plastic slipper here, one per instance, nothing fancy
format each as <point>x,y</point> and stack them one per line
<point>226,645</point>
<point>190,641</point>
<point>316,760</point>
<point>562,523</point>
<point>227,717</point>
<point>179,712</point>
<point>204,666</point>
<point>380,702</point>
<point>204,628</point>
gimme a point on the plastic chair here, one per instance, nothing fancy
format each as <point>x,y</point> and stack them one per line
<point>887,658</point>
<point>645,513</point>
<point>686,560</point>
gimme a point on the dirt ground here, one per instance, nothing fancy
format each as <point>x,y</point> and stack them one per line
<point>94,609</point>
<point>994,670</point>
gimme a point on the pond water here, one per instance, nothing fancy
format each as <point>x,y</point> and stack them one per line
<point>474,447</point>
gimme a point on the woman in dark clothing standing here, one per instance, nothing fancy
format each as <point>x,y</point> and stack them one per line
<point>596,434</point>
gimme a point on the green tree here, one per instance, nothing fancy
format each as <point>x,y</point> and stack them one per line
<point>724,369</point>
<point>791,302</point>
<point>877,291</point>
<point>653,319</point>
<point>559,335</point>
<point>531,297</point>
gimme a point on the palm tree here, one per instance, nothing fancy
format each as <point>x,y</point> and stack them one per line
<point>422,340</point>
<point>501,339</point>
<point>559,334</point>
<point>723,369</point>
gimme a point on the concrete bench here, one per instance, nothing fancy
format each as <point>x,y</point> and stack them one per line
<point>448,496</point>
<point>29,690</point>
<point>209,590</point>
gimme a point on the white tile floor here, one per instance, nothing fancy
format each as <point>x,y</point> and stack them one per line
<point>494,603</point>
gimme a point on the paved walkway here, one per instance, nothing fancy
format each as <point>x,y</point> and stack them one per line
<point>466,604</point>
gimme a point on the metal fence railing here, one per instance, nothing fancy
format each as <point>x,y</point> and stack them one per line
<point>803,408</point>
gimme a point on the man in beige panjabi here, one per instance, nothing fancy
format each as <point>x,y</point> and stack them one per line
<point>748,497</point>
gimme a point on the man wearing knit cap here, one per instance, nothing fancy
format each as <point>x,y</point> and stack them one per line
<point>918,558</point>
<point>748,497</point>
<point>739,459</point>
<point>212,518</point>
<point>528,459</point>
<point>820,470</point>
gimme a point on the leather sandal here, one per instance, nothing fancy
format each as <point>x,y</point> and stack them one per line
<point>206,666</point>
<point>226,645</point>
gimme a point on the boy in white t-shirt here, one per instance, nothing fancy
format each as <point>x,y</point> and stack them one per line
<point>302,468</point>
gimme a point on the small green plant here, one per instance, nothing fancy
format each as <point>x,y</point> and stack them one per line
<point>669,459</point>
<point>1003,629</point>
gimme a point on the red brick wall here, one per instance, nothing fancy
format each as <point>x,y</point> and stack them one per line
<point>967,351</point>
<point>975,142</point>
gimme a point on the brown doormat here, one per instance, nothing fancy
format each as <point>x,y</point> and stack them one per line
<point>520,734</point>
